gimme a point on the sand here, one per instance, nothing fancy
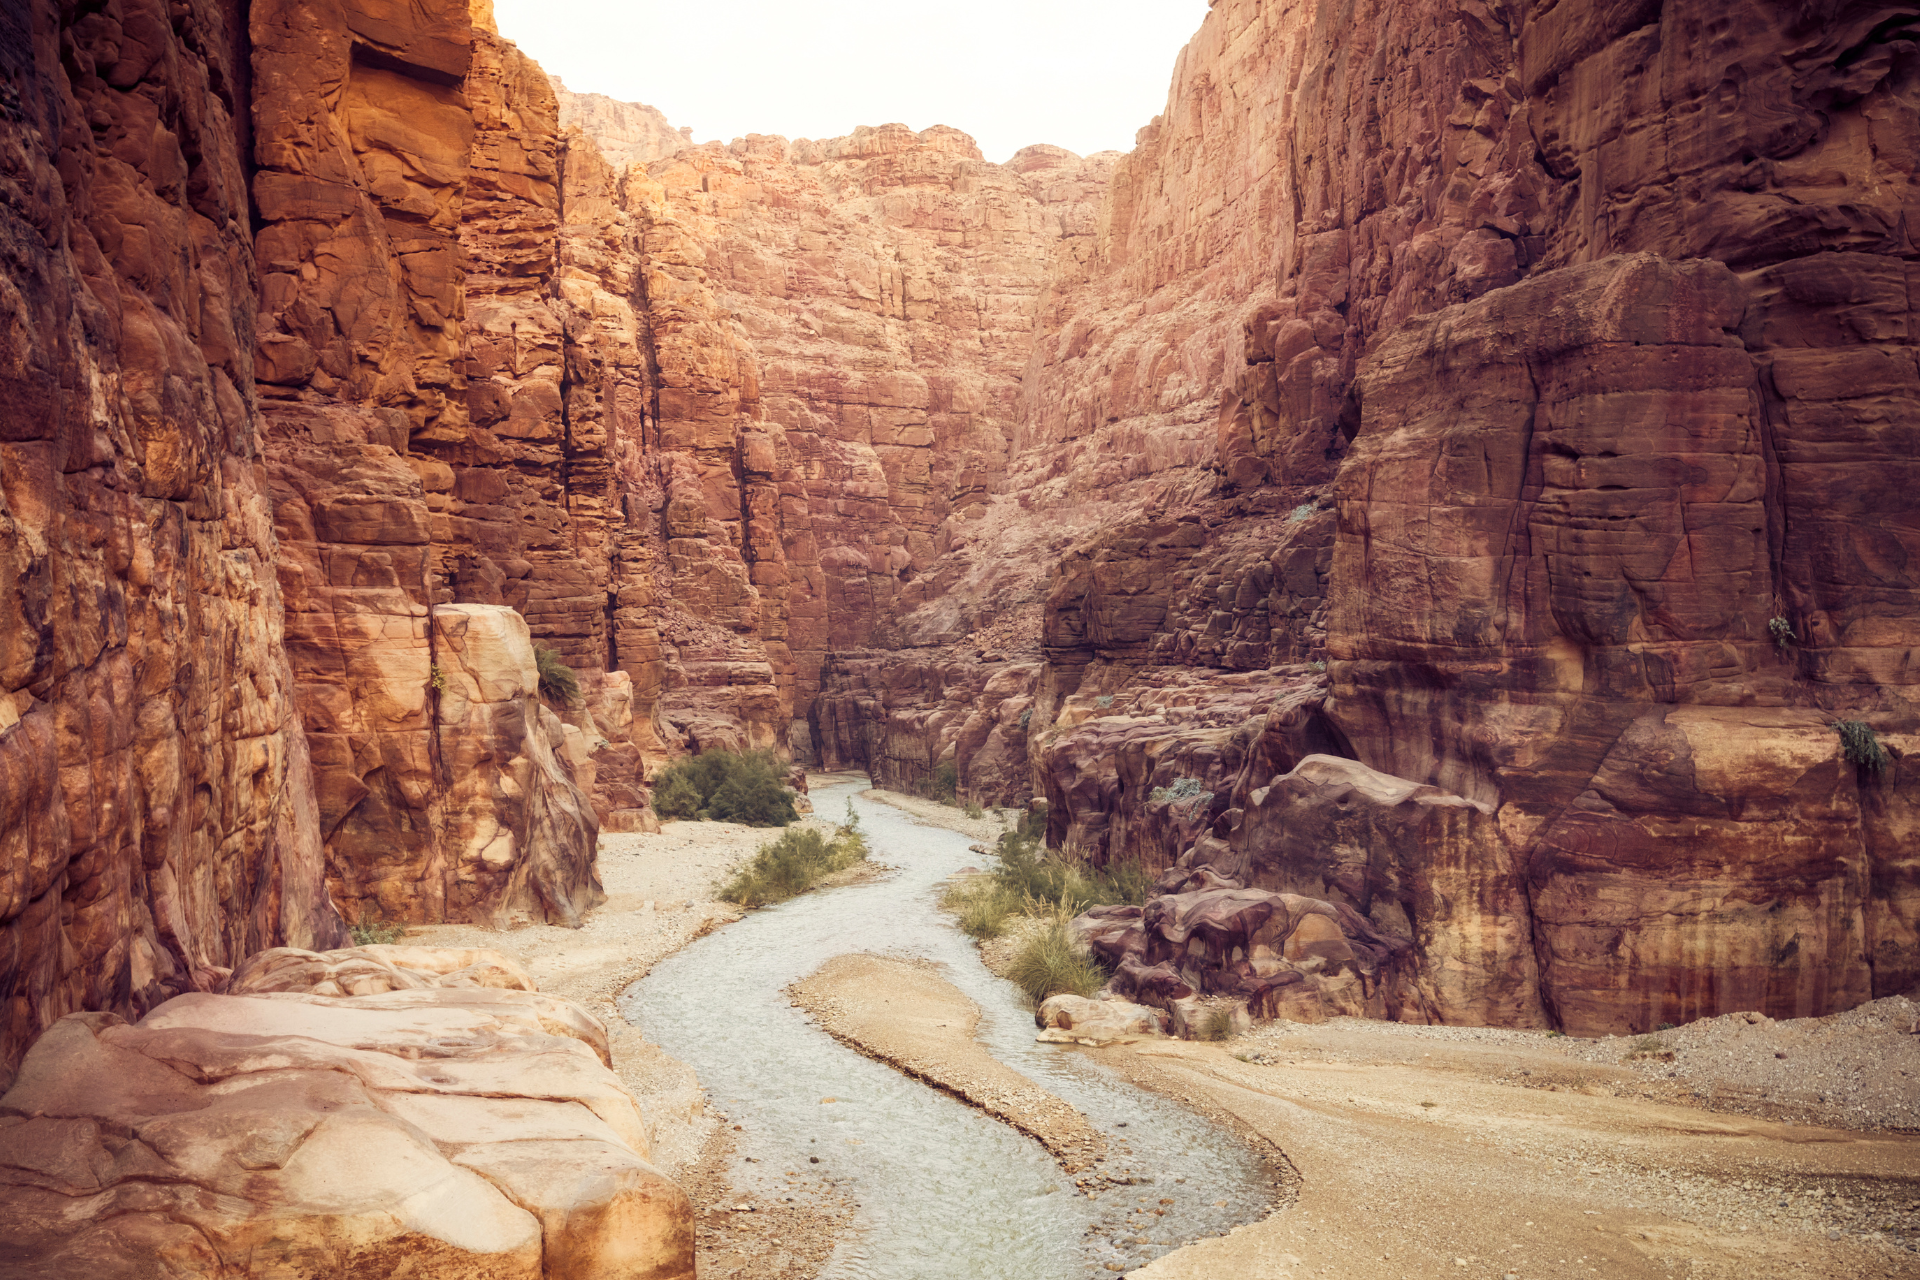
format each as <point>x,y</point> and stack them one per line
<point>903,1013</point>
<point>1415,1161</point>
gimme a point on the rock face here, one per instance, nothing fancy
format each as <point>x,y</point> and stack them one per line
<point>1509,401</point>
<point>626,133</point>
<point>839,329</point>
<point>157,816</point>
<point>1506,361</point>
<point>444,1130</point>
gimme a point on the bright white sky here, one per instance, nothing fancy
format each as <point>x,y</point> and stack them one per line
<point>1081,74</point>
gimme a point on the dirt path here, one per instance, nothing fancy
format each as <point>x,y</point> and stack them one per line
<point>1420,1164</point>
<point>902,1013</point>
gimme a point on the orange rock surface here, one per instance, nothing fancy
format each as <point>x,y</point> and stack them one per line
<point>1509,403</point>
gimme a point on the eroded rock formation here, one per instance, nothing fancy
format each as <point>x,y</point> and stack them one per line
<point>1507,361</point>
<point>157,816</point>
<point>445,1127</point>
<point>1510,401</point>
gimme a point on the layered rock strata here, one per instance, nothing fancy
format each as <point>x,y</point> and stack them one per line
<point>839,328</point>
<point>1507,361</point>
<point>1510,401</point>
<point>157,816</point>
<point>447,1129</point>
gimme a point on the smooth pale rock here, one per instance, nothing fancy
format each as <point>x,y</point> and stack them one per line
<point>1099,1021</point>
<point>449,1133</point>
<point>370,970</point>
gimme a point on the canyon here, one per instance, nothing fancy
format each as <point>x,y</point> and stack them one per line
<point>1450,471</point>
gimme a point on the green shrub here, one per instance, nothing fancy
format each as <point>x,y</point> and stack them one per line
<point>371,931</point>
<point>1781,630</point>
<point>982,905</point>
<point>753,799</point>
<point>747,787</point>
<point>789,866</point>
<point>1051,964</point>
<point>1217,1025</point>
<point>1030,873</point>
<point>973,810</point>
<point>1859,744</point>
<point>1300,513</point>
<point>558,683</point>
<point>1034,821</point>
<point>675,796</point>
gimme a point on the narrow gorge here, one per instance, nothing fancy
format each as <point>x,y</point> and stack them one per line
<point>1445,505</point>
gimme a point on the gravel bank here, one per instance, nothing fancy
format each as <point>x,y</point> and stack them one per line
<point>1854,1070</point>
<point>902,1013</point>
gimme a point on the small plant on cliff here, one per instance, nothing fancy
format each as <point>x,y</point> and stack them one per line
<point>1859,744</point>
<point>558,683</point>
<point>1300,513</point>
<point>436,679</point>
<point>726,786</point>
<point>794,863</point>
<point>1782,632</point>
<point>1188,797</point>
<point>1052,963</point>
<point>1177,790</point>
<point>1026,718</point>
<point>371,931</point>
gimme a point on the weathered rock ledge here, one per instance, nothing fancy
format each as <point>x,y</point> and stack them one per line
<point>451,1122</point>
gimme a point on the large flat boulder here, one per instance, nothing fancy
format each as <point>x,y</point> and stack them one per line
<point>457,1131</point>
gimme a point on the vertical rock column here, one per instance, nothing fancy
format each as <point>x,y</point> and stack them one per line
<point>156,822</point>
<point>406,162</point>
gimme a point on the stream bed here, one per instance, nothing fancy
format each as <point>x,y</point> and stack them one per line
<point>943,1191</point>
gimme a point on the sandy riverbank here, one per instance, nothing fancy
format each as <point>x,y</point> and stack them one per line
<point>1478,1152</point>
<point>903,1013</point>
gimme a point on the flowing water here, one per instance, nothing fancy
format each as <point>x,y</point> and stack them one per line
<point>943,1191</point>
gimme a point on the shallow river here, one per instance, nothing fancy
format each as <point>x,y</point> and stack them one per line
<point>943,1190</point>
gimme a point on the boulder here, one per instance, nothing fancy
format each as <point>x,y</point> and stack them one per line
<point>458,1132</point>
<point>1071,1017</point>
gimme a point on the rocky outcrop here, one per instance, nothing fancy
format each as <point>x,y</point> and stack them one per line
<point>157,820</point>
<point>626,133</point>
<point>1507,360</point>
<point>445,1130</point>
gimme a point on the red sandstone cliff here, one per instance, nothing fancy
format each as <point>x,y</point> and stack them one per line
<point>1364,368</point>
<point>157,816</point>
<point>1423,442</point>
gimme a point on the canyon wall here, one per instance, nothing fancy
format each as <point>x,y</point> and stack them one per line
<point>1449,470</point>
<point>157,816</point>
<point>1512,398</point>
